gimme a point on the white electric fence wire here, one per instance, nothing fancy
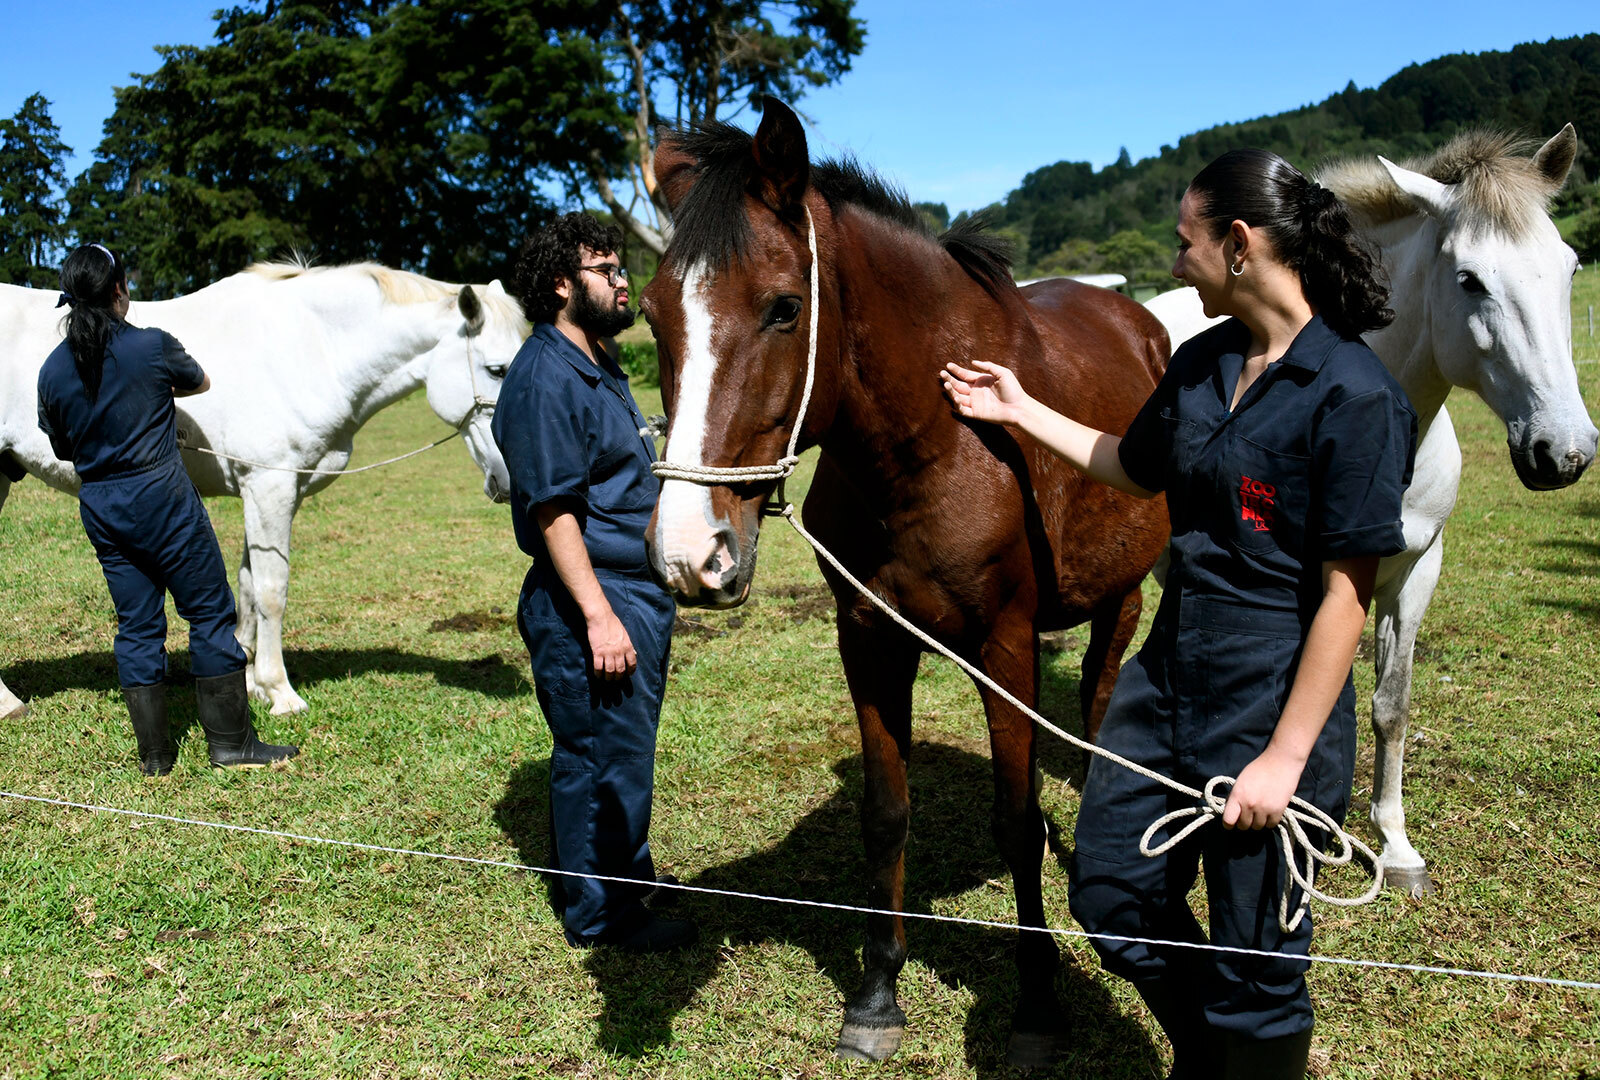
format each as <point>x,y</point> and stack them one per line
<point>1291,829</point>
<point>731,894</point>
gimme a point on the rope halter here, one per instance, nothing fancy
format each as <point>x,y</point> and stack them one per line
<point>780,470</point>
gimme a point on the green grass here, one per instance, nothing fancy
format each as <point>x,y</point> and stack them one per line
<point>152,949</point>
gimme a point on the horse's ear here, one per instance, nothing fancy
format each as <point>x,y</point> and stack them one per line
<point>471,309</point>
<point>674,168</point>
<point>1554,159</point>
<point>1426,193</point>
<point>783,164</point>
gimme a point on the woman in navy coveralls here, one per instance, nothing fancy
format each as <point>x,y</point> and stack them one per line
<point>105,401</point>
<point>1283,447</point>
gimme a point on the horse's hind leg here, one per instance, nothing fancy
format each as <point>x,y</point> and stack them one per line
<point>880,673</point>
<point>1111,628</point>
<point>268,517</point>
<point>1400,605</point>
<point>1011,658</point>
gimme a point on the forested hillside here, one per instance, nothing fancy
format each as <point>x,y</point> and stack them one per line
<point>1068,217</point>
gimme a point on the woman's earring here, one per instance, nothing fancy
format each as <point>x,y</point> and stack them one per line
<point>1237,269</point>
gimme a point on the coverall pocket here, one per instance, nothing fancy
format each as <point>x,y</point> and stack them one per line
<point>1269,497</point>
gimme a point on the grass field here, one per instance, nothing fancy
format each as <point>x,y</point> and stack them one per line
<point>136,948</point>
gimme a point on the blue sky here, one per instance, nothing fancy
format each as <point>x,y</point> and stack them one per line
<point>953,101</point>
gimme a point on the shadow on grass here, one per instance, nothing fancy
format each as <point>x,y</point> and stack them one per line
<point>950,853</point>
<point>490,675</point>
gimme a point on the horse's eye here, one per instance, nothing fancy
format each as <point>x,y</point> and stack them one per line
<point>1470,284</point>
<point>496,371</point>
<point>784,311</point>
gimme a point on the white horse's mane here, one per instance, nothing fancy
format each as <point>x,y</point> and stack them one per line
<point>396,286</point>
<point>1499,185</point>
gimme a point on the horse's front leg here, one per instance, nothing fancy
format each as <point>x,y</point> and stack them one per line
<point>11,706</point>
<point>269,507</point>
<point>1400,602</point>
<point>245,632</point>
<point>880,668</point>
<point>1011,658</point>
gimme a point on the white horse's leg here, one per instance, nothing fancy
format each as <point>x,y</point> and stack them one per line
<point>249,611</point>
<point>269,507</point>
<point>1401,602</point>
<point>10,705</point>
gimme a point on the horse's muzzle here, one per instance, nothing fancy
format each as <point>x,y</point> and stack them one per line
<point>1544,464</point>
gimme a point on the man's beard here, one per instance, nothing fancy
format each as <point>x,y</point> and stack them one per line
<point>604,321</point>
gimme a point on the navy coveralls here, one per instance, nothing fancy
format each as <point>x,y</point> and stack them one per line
<point>569,430</point>
<point>1311,467</point>
<point>141,511</point>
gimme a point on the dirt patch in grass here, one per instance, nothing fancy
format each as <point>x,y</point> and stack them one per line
<point>470,622</point>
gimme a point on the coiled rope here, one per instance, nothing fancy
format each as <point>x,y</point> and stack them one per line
<point>1210,801</point>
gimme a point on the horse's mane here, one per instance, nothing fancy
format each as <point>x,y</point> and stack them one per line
<point>1499,186</point>
<point>395,286</point>
<point>709,225</point>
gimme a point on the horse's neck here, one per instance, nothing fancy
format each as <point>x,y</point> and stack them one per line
<point>891,410</point>
<point>377,352</point>
<point>1407,249</point>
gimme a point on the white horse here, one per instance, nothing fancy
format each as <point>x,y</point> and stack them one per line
<point>299,359</point>
<point>1481,287</point>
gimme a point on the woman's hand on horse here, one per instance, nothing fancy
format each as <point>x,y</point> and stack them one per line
<point>985,391</point>
<point>611,648</point>
<point>1261,794</point>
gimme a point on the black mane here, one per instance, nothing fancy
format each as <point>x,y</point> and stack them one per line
<point>710,224</point>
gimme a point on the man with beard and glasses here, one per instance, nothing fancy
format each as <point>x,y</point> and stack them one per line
<point>597,626</point>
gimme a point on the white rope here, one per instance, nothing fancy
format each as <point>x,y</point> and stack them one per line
<point>479,404</point>
<point>1291,828</point>
<point>319,472</point>
<point>731,894</point>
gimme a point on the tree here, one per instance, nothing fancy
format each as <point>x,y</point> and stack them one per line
<point>1131,253</point>
<point>700,57</point>
<point>32,172</point>
<point>414,132</point>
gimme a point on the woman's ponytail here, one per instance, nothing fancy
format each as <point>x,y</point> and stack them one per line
<point>89,280</point>
<point>1309,229</point>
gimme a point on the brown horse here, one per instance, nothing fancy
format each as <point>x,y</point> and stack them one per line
<point>979,537</point>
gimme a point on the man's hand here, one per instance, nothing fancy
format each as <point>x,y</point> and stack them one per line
<point>1262,792</point>
<point>611,647</point>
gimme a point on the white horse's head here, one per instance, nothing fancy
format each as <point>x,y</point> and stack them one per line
<point>484,328</point>
<point>1498,296</point>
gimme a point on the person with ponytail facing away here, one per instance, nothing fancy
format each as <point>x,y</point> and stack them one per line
<point>106,402</point>
<point>1283,448</point>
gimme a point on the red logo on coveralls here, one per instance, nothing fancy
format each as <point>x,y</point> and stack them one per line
<point>1256,502</point>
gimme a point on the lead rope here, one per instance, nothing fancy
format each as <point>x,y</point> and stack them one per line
<point>479,404</point>
<point>1300,813</point>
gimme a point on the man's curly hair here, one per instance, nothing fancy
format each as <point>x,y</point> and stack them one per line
<point>552,254</point>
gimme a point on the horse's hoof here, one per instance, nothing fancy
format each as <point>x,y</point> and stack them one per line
<point>1413,881</point>
<point>860,1043</point>
<point>17,713</point>
<point>1032,1050</point>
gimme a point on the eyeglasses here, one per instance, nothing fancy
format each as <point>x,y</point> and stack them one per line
<point>613,273</point>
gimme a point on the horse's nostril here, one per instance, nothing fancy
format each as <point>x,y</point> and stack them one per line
<point>714,562</point>
<point>1574,458</point>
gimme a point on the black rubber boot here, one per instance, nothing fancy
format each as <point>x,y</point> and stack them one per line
<point>147,707</point>
<point>1283,1058</point>
<point>1194,1055</point>
<point>224,709</point>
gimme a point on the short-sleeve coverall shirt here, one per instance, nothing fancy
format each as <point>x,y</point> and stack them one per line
<point>1311,467</point>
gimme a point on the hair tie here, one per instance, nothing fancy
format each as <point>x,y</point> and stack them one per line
<point>1319,198</point>
<point>67,298</point>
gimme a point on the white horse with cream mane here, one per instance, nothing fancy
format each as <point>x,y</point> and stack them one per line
<point>299,359</point>
<point>1481,287</point>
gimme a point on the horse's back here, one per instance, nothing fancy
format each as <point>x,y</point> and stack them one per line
<point>1103,355</point>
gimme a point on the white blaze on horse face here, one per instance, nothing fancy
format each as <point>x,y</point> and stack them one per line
<point>690,543</point>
